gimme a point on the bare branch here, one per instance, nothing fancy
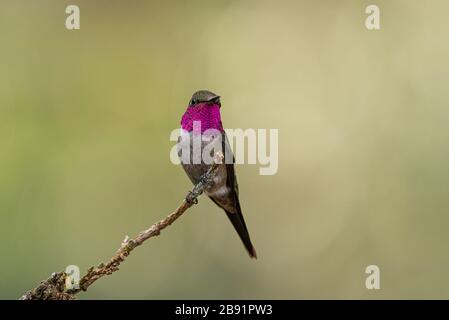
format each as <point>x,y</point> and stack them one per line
<point>54,287</point>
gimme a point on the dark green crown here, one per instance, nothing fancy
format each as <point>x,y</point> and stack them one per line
<point>204,96</point>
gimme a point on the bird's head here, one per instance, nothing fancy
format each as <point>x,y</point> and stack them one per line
<point>204,106</point>
<point>204,97</point>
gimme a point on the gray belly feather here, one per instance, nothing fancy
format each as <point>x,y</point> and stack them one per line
<point>220,192</point>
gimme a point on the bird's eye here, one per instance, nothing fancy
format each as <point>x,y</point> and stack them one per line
<point>192,102</point>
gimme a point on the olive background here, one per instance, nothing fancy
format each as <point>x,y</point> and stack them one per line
<point>85,118</point>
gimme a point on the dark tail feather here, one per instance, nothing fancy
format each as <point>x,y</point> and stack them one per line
<point>239,224</point>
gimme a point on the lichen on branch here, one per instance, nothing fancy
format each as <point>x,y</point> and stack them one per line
<point>54,288</point>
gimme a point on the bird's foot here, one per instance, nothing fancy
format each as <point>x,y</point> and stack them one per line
<point>191,198</point>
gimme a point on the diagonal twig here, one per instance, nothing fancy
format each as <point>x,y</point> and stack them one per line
<point>54,288</point>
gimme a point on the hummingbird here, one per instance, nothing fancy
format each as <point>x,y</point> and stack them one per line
<point>204,108</point>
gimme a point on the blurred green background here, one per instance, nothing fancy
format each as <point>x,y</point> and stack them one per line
<point>85,118</point>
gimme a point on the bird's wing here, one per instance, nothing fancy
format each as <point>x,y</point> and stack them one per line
<point>230,170</point>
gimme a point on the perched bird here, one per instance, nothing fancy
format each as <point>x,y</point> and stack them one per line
<point>204,109</point>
